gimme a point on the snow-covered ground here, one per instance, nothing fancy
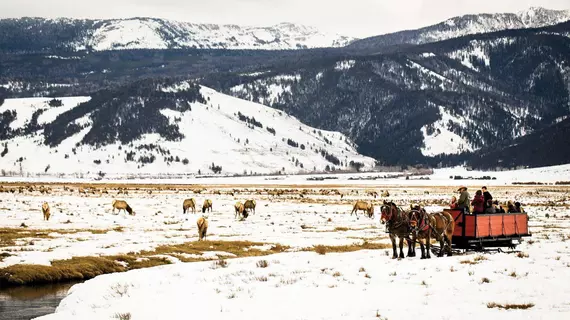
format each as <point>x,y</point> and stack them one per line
<point>440,177</point>
<point>355,285</point>
<point>358,285</point>
<point>306,285</point>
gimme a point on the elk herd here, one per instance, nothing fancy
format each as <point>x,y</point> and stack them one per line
<point>414,225</point>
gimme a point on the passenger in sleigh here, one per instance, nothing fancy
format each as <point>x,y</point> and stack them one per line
<point>478,203</point>
<point>453,204</point>
<point>498,207</point>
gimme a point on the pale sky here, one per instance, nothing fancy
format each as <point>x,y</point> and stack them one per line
<point>358,18</point>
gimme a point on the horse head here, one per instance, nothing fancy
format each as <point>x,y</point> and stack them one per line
<point>387,211</point>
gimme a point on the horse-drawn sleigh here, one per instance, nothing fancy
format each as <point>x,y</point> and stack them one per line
<point>496,230</point>
<point>452,228</point>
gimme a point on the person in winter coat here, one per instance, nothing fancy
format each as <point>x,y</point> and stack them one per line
<point>453,204</point>
<point>463,202</point>
<point>498,207</point>
<point>488,197</point>
<point>478,203</point>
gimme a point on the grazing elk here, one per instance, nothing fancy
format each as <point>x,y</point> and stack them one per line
<point>250,205</point>
<point>240,210</point>
<point>45,210</point>
<point>122,205</point>
<point>207,205</point>
<point>364,206</point>
<point>202,228</point>
<point>189,203</point>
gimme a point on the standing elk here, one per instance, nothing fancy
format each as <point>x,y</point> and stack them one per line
<point>189,203</point>
<point>45,210</point>
<point>202,228</point>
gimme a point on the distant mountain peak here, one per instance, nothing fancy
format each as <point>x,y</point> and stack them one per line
<point>157,33</point>
<point>533,17</point>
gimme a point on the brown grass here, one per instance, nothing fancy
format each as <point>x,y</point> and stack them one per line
<point>508,306</point>
<point>77,268</point>
<point>321,249</point>
<point>475,260</point>
<point>83,268</point>
<point>262,264</point>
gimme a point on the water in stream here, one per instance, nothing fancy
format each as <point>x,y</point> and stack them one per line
<point>24,303</point>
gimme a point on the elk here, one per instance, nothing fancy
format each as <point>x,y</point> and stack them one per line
<point>122,205</point>
<point>45,210</point>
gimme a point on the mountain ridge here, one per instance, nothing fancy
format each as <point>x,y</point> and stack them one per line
<point>34,33</point>
<point>468,24</point>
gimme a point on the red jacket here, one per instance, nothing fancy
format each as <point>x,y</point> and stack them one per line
<point>478,203</point>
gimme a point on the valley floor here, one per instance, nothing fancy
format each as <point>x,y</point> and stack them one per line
<point>313,271</point>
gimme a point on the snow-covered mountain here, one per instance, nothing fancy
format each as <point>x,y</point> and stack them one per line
<point>533,17</point>
<point>136,135</point>
<point>152,33</point>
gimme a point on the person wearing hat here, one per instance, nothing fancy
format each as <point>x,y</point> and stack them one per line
<point>464,198</point>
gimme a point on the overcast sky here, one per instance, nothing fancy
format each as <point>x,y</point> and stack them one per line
<point>357,18</point>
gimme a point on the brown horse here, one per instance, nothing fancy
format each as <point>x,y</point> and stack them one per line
<point>420,226</point>
<point>443,225</point>
<point>439,225</point>
<point>397,223</point>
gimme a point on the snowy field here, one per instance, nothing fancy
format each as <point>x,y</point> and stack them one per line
<point>364,284</point>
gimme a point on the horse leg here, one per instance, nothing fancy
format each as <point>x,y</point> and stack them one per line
<point>412,246</point>
<point>401,247</point>
<point>428,245</point>
<point>395,253</point>
<point>411,250</point>
<point>448,240</point>
<point>423,248</point>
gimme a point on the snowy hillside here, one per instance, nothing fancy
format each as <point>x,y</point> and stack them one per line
<point>469,24</point>
<point>151,33</point>
<point>226,135</point>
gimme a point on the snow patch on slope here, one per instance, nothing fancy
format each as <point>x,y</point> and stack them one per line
<point>145,33</point>
<point>443,140</point>
<point>213,133</point>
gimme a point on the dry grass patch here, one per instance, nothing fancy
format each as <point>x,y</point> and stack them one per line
<point>83,268</point>
<point>262,264</point>
<point>77,268</point>
<point>238,248</point>
<point>341,229</point>
<point>122,316</point>
<point>522,255</point>
<point>322,249</point>
<point>475,260</point>
<point>509,306</point>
